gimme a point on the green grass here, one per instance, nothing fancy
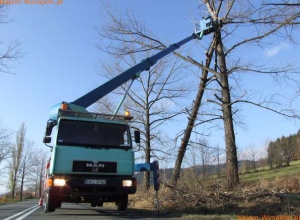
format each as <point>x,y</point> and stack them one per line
<point>266,173</point>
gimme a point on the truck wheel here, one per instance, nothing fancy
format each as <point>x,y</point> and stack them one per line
<point>93,204</point>
<point>49,204</point>
<point>122,203</point>
<point>58,204</point>
<point>100,204</point>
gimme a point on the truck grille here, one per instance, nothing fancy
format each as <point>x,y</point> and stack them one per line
<point>94,166</point>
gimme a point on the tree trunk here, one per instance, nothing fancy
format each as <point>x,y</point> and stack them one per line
<point>203,170</point>
<point>21,189</point>
<point>13,189</point>
<point>41,183</point>
<point>232,178</point>
<point>191,120</point>
<point>147,151</point>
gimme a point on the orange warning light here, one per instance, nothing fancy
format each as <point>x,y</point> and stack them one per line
<point>64,106</point>
<point>127,113</point>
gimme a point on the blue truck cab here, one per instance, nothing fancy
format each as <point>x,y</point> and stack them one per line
<point>92,159</point>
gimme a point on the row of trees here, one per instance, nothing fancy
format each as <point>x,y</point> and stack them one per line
<point>284,150</point>
<point>22,162</point>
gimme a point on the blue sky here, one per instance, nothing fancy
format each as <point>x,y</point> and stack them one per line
<point>61,57</point>
<point>61,61</point>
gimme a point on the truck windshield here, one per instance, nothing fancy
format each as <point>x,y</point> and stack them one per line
<point>93,134</point>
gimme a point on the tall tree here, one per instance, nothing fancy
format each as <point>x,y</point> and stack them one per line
<point>271,155</point>
<point>289,149</point>
<point>253,157</point>
<point>193,114</point>
<point>206,154</point>
<point>265,22</point>
<point>38,172</point>
<point>297,151</point>
<point>153,101</point>
<point>154,98</point>
<point>17,150</point>
<point>26,165</point>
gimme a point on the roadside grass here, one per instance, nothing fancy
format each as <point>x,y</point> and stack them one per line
<point>5,200</point>
<point>195,201</point>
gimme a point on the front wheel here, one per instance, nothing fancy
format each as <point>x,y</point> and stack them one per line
<point>58,204</point>
<point>122,203</point>
<point>99,203</point>
<point>49,204</point>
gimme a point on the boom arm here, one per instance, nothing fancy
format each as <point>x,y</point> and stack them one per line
<point>98,93</point>
<point>206,26</point>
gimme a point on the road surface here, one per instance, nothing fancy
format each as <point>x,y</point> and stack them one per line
<point>29,210</point>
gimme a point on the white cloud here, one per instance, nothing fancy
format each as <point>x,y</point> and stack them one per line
<point>276,49</point>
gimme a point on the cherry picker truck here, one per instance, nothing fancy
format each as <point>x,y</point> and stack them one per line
<point>92,158</point>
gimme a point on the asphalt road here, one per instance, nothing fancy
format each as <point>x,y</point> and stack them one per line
<point>29,210</point>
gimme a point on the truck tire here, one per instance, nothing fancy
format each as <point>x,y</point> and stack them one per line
<point>49,204</point>
<point>58,204</point>
<point>93,204</point>
<point>122,203</point>
<point>99,204</point>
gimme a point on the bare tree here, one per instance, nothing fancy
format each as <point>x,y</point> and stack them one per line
<point>205,153</point>
<point>4,143</point>
<point>26,165</point>
<point>38,172</point>
<point>193,114</point>
<point>218,160</point>
<point>266,22</point>
<point>17,150</point>
<point>9,52</point>
<point>154,101</point>
<point>253,157</point>
<point>154,98</point>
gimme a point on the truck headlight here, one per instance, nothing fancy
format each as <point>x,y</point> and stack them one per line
<point>59,182</point>
<point>127,183</point>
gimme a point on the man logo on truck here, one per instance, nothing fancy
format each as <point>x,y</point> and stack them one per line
<point>95,166</point>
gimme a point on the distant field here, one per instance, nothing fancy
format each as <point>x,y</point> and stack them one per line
<point>265,173</point>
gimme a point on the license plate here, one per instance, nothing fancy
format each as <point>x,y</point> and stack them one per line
<point>94,182</point>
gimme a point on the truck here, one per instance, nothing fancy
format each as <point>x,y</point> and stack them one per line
<point>92,157</point>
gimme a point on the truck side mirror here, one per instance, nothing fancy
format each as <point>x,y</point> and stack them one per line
<point>137,136</point>
<point>50,125</point>
<point>47,140</point>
